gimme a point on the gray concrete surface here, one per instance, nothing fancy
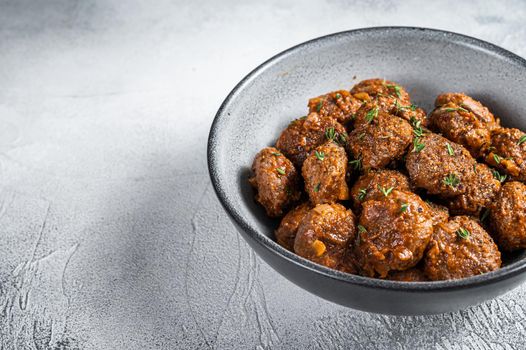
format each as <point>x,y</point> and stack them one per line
<point>111,236</point>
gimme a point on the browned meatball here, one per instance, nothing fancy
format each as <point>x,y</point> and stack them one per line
<point>325,174</point>
<point>393,233</point>
<point>305,134</point>
<point>439,213</point>
<point>441,167</point>
<point>481,189</point>
<point>461,126</point>
<point>286,232</point>
<point>275,180</point>
<point>460,248</point>
<point>480,112</point>
<point>379,138</point>
<point>414,274</point>
<point>340,105</point>
<point>375,183</point>
<point>324,234</point>
<point>508,152</point>
<point>508,216</point>
<point>389,97</point>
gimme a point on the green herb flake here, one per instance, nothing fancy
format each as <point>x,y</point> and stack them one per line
<point>356,164</point>
<point>475,168</point>
<point>497,158</point>
<point>403,207</point>
<point>456,109</point>
<point>361,136</point>
<point>330,134</point>
<point>277,154</point>
<point>361,194</point>
<point>485,215</point>
<point>281,171</point>
<point>521,140</point>
<point>451,180</point>
<point>463,233</point>
<point>361,229</point>
<point>417,145</point>
<point>319,155</point>
<point>396,89</point>
<point>318,106</point>
<point>385,191</point>
<point>450,149</point>
<point>338,95</point>
<point>303,118</point>
<point>317,187</point>
<point>373,113</point>
<point>498,176</point>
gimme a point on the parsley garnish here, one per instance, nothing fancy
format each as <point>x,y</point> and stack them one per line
<point>281,171</point>
<point>451,180</point>
<point>319,155</point>
<point>521,140</point>
<point>484,215</point>
<point>356,164</point>
<point>277,154</point>
<point>498,176</point>
<point>361,194</point>
<point>403,207</point>
<point>330,134</point>
<point>417,145</point>
<point>373,113</point>
<point>450,149</point>
<point>361,229</point>
<point>497,158</point>
<point>361,136</point>
<point>463,233</point>
<point>318,106</point>
<point>396,89</point>
<point>475,168</point>
<point>456,109</point>
<point>338,96</point>
<point>385,191</point>
<point>317,187</point>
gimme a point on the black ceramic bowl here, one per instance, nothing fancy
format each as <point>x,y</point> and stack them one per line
<point>426,62</point>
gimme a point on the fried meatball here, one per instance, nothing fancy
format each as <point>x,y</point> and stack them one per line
<point>340,105</point>
<point>414,274</point>
<point>379,138</point>
<point>325,174</point>
<point>460,248</point>
<point>324,234</point>
<point>481,189</point>
<point>439,213</point>
<point>370,185</point>
<point>286,232</point>
<point>481,113</point>
<point>389,97</point>
<point>393,233</point>
<point>461,126</point>
<point>306,133</point>
<point>276,181</point>
<point>508,216</point>
<point>508,152</point>
<point>441,167</point>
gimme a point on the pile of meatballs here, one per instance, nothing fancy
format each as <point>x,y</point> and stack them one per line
<point>368,183</point>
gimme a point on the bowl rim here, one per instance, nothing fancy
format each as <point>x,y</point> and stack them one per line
<point>503,273</point>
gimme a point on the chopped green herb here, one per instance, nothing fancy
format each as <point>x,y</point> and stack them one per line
<point>281,171</point>
<point>396,89</point>
<point>338,96</point>
<point>277,154</point>
<point>361,136</point>
<point>463,233</point>
<point>318,106</point>
<point>497,158</point>
<point>413,107</point>
<point>475,168</point>
<point>288,190</point>
<point>417,145</point>
<point>418,131</point>
<point>403,207</point>
<point>319,155</point>
<point>373,113</point>
<point>330,134</point>
<point>303,118</point>
<point>451,180</point>
<point>317,187</point>
<point>456,109</point>
<point>484,215</point>
<point>498,176</point>
<point>361,229</point>
<point>385,191</point>
<point>356,164</point>
<point>521,140</point>
<point>361,194</point>
<point>450,149</point>
<point>342,138</point>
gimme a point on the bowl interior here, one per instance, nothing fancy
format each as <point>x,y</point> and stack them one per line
<point>425,62</point>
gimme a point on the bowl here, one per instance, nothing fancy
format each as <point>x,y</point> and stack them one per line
<point>425,61</point>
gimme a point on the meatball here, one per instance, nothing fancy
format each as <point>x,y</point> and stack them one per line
<point>325,173</point>
<point>389,97</point>
<point>324,234</point>
<point>439,213</point>
<point>306,133</point>
<point>286,232</point>
<point>275,180</point>
<point>460,248</point>
<point>414,274</point>
<point>461,126</point>
<point>393,233</point>
<point>340,105</point>
<point>508,152</point>
<point>460,100</point>
<point>481,189</point>
<point>508,216</point>
<point>440,166</point>
<point>379,138</point>
<point>373,185</point>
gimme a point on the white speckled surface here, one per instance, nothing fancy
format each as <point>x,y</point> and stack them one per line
<point>112,237</point>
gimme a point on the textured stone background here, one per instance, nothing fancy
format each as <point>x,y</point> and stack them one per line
<point>111,236</point>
